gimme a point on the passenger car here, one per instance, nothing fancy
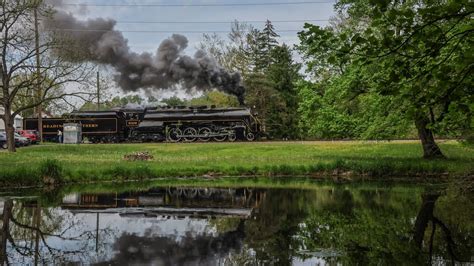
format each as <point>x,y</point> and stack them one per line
<point>21,140</point>
<point>30,134</point>
<point>3,140</point>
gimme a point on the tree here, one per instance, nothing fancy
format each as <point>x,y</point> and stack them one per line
<point>259,46</point>
<point>215,98</point>
<point>284,73</point>
<point>173,101</point>
<point>230,53</point>
<point>417,52</point>
<point>18,68</point>
<point>266,42</point>
<point>261,97</point>
<point>268,70</point>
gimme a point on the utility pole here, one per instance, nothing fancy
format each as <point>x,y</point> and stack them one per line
<point>39,108</point>
<point>98,91</point>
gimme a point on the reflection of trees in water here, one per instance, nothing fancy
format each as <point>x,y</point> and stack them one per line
<point>273,230</point>
<point>434,234</point>
<point>27,231</point>
<point>382,230</point>
<point>273,224</point>
<point>189,250</point>
<point>349,226</point>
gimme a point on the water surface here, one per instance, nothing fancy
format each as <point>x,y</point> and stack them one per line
<point>317,224</point>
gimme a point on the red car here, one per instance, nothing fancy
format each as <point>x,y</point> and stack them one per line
<point>30,134</point>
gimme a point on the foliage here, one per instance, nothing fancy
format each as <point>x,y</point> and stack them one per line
<point>216,98</point>
<point>230,53</point>
<point>416,53</point>
<point>326,114</point>
<point>208,98</point>
<point>51,171</point>
<point>366,235</point>
<point>174,101</point>
<point>284,73</point>
<point>269,74</point>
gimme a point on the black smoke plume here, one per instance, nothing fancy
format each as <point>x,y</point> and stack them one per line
<point>96,40</point>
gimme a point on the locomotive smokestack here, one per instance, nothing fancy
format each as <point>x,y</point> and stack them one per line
<point>96,40</point>
<point>241,95</point>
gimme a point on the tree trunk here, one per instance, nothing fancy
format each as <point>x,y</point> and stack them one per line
<point>430,148</point>
<point>10,129</point>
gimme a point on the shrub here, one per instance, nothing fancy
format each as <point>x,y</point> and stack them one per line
<point>51,171</point>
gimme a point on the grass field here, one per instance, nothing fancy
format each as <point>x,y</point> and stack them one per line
<point>348,159</point>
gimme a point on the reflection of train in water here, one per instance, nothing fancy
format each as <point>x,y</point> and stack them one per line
<point>157,124</point>
<point>194,202</point>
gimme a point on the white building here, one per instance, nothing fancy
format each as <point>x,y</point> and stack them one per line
<point>18,121</point>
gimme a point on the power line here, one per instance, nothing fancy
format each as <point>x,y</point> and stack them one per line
<point>157,31</point>
<point>201,5</point>
<point>220,22</point>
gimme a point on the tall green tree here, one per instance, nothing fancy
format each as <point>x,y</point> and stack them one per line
<point>419,53</point>
<point>261,97</point>
<point>284,73</point>
<point>267,42</point>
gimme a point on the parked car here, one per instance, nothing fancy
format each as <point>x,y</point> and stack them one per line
<point>33,135</point>
<point>3,141</point>
<point>19,140</point>
<point>22,140</point>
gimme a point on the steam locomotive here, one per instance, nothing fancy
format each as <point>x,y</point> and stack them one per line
<point>177,124</point>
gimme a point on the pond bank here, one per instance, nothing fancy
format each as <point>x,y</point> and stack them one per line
<point>341,161</point>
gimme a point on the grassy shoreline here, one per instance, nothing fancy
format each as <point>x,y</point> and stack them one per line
<point>346,160</point>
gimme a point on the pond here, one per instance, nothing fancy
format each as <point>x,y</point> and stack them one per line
<point>311,224</point>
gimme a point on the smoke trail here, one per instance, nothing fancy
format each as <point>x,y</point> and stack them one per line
<point>96,40</point>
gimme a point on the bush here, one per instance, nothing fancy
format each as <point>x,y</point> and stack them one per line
<point>51,171</point>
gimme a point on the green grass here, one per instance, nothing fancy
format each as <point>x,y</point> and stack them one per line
<point>104,162</point>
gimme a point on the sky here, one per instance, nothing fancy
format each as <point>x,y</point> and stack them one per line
<point>127,11</point>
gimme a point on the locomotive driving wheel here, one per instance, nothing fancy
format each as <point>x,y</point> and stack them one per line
<point>174,135</point>
<point>232,136</point>
<point>205,131</point>
<point>220,138</point>
<point>190,132</point>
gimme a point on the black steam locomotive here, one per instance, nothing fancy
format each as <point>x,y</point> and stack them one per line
<point>186,124</point>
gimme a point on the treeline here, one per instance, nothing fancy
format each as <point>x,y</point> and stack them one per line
<point>384,69</point>
<point>380,70</point>
<point>295,105</point>
<point>269,73</point>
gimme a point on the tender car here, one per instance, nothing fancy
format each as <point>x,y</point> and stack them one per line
<point>30,134</point>
<point>3,141</point>
<point>22,140</point>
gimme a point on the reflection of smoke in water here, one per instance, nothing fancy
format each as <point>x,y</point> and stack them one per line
<point>98,41</point>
